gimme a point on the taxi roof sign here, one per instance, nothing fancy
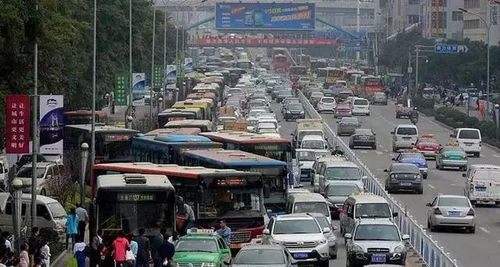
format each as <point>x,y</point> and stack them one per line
<point>200,231</point>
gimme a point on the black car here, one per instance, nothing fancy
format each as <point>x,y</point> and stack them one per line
<point>403,176</point>
<point>363,137</point>
<point>293,111</point>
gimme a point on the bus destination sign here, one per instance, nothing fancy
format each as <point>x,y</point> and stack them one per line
<point>135,197</point>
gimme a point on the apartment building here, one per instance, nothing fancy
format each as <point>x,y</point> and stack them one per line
<point>481,11</point>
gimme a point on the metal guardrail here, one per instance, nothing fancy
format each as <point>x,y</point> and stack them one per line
<point>430,251</point>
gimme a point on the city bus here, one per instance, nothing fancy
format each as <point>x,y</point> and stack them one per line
<point>370,85</point>
<point>211,193</point>
<point>297,71</point>
<point>84,117</point>
<point>203,125</point>
<point>112,144</point>
<point>165,149</point>
<point>191,131</point>
<point>204,106</point>
<point>280,63</point>
<point>272,147</point>
<point>332,75</point>
<point>274,172</point>
<point>318,64</point>
<point>130,202</point>
<point>180,113</point>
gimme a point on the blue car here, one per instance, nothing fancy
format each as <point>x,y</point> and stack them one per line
<point>415,158</point>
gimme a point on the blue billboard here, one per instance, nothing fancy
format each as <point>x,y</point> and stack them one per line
<point>265,16</point>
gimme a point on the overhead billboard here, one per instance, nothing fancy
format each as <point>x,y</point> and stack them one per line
<point>265,16</point>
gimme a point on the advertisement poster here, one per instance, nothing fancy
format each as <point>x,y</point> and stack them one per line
<point>265,16</point>
<point>171,74</point>
<point>139,90</point>
<point>17,123</point>
<point>121,89</point>
<point>51,124</point>
<point>188,65</point>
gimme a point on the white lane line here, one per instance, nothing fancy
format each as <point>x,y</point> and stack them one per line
<point>431,186</point>
<point>484,230</point>
<point>379,153</point>
<point>496,155</point>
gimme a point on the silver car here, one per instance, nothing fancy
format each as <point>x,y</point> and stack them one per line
<point>451,211</point>
<point>262,256</point>
<point>330,236</point>
<point>347,125</point>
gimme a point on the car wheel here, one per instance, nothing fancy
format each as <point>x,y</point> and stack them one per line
<point>472,229</point>
<point>351,146</point>
<point>324,263</point>
<point>374,147</point>
<point>397,116</point>
<point>437,166</point>
<point>420,191</point>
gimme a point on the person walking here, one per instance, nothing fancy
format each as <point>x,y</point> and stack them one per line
<point>120,246</point>
<point>84,219</point>
<point>134,248</point>
<point>143,250</point>
<point>79,252</point>
<point>45,253</point>
<point>186,213</point>
<point>94,248</point>
<point>224,231</point>
<point>72,221</point>
<point>166,251</point>
<point>34,244</point>
<point>156,242</point>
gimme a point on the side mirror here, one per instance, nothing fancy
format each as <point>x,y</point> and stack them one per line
<point>364,177</point>
<point>464,174</point>
<point>326,230</point>
<point>266,232</point>
<point>429,204</point>
<point>395,214</point>
<point>393,158</point>
<point>348,236</point>
<point>406,237</point>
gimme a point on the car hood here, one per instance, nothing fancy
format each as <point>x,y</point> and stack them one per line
<point>378,244</point>
<point>299,237</point>
<point>188,256</point>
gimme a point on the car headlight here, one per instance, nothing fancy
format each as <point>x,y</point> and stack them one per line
<point>322,241</point>
<point>399,249</point>
<point>208,264</point>
<point>417,176</point>
<point>302,112</point>
<point>357,248</point>
<point>393,176</point>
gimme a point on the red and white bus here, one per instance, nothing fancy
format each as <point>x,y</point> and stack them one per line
<point>370,85</point>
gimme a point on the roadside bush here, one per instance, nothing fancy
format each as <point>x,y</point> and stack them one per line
<point>423,103</point>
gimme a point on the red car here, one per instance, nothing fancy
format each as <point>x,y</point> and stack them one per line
<point>428,145</point>
<point>342,110</point>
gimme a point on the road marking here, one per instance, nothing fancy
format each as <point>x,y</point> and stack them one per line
<point>459,185</point>
<point>496,155</point>
<point>484,230</point>
<point>431,186</point>
<point>379,152</point>
<point>363,152</point>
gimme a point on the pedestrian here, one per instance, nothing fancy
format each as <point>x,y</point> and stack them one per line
<point>79,251</point>
<point>34,244</point>
<point>477,104</point>
<point>38,262</point>
<point>156,242</point>
<point>72,221</point>
<point>120,247</point>
<point>186,212</point>
<point>143,250</point>
<point>224,231</point>
<point>84,219</point>
<point>8,245</point>
<point>106,256</point>
<point>166,251</point>
<point>134,248</point>
<point>481,109</point>
<point>94,248</point>
<point>45,253</point>
<point>24,258</point>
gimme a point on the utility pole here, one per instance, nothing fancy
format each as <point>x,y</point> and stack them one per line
<point>152,68</point>
<point>358,26</point>
<point>92,141</point>
<point>35,132</point>
<point>129,109</point>
<point>164,57</point>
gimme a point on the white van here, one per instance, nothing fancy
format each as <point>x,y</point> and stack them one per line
<point>469,139</point>
<point>482,183</point>
<point>50,213</point>
<point>360,106</point>
<point>308,203</point>
<point>404,136</point>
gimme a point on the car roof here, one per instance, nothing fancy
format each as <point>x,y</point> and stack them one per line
<point>312,137</point>
<point>362,130</point>
<point>295,216</point>
<point>400,167</point>
<point>368,198</point>
<point>451,196</point>
<point>406,126</point>
<point>42,164</point>
<point>378,221</point>
<point>308,197</point>
<point>484,166</point>
<point>341,163</point>
<point>262,246</point>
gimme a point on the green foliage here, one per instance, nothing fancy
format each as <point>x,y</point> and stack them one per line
<point>64,31</point>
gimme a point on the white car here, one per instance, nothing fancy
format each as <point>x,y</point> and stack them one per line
<point>360,106</point>
<point>302,235</point>
<point>314,142</point>
<point>268,129</point>
<point>327,104</point>
<point>469,139</point>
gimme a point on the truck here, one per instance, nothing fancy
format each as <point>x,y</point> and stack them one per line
<point>307,127</point>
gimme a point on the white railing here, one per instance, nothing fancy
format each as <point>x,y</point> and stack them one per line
<point>430,251</point>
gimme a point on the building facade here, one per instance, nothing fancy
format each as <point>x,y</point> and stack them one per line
<point>475,28</point>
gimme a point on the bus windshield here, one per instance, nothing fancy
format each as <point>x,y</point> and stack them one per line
<point>229,202</point>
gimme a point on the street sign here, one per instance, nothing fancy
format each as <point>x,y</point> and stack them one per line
<point>121,89</point>
<point>158,77</point>
<point>450,49</point>
<point>17,124</point>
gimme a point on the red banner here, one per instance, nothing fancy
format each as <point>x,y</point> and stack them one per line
<point>17,137</point>
<point>267,41</point>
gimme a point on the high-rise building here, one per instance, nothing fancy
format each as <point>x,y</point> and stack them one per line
<point>474,27</point>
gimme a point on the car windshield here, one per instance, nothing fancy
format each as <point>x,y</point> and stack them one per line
<point>306,156</point>
<point>26,172</point>
<point>342,173</point>
<point>372,210</point>
<point>296,227</point>
<point>196,245</point>
<point>407,131</point>
<point>268,130</point>
<point>453,202</point>
<point>412,156</point>
<point>343,106</point>
<point>313,144</point>
<point>323,222</point>
<point>57,210</point>
<point>294,106</point>
<point>305,207</point>
<point>454,150</point>
<point>377,232</point>
<point>469,134</point>
<point>328,100</point>
<point>259,257</point>
<point>347,120</point>
<point>342,190</point>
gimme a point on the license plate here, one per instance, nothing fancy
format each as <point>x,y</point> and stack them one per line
<point>468,144</point>
<point>301,255</point>
<point>405,184</point>
<point>378,258</point>
<point>304,175</point>
<point>406,138</point>
<point>481,189</point>
<point>453,213</point>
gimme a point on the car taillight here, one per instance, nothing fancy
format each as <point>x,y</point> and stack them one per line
<point>470,213</point>
<point>437,211</point>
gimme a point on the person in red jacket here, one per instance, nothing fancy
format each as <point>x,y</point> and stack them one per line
<point>120,246</point>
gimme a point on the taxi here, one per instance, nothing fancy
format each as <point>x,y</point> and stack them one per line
<point>201,247</point>
<point>428,145</point>
<point>451,155</point>
<point>414,157</point>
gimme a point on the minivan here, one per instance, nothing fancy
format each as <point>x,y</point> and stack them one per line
<point>363,206</point>
<point>339,172</point>
<point>404,136</point>
<point>482,183</point>
<point>469,139</point>
<point>308,203</point>
<point>50,213</point>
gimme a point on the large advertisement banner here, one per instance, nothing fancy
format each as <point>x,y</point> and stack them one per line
<point>51,124</point>
<point>276,42</point>
<point>265,16</point>
<point>171,74</point>
<point>17,115</point>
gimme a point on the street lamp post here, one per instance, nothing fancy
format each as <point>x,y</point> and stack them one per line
<point>84,156</point>
<point>17,195</point>
<point>488,27</point>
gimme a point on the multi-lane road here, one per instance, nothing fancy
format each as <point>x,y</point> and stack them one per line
<point>479,249</point>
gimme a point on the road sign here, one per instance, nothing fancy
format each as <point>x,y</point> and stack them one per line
<point>450,49</point>
<point>158,77</point>
<point>121,89</point>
